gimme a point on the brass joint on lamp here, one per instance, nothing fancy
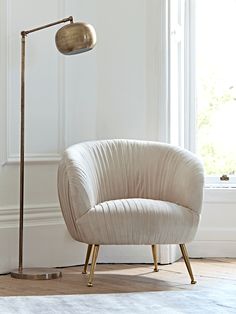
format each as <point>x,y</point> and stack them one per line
<point>71,19</point>
<point>71,39</point>
<point>23,34</point>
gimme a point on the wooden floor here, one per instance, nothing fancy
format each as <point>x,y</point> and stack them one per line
<point>120,278</point>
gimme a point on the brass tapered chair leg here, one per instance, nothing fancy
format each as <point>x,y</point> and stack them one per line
<point>93,265</point>
<point>187,262</point>
<point>154,254</point>
<point>89,250</point>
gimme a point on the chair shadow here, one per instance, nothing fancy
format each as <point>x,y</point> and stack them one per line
<point>109,281</point>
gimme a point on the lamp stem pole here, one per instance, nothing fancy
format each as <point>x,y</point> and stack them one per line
<point>22,152</point>
<point>22,133</point>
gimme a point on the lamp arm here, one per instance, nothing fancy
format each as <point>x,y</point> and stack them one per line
<point>24,33</point>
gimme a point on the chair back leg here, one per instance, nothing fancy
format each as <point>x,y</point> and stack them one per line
<point>154,254</point>
<point>93,265</point>
<point>89,249</point>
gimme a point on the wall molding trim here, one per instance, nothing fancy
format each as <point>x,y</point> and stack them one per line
<point>157,62</point>
<point>8,157</point>
<point>33,159</point>
<point>61,85</point>
<point>34,215</point>
<point>3,75</point>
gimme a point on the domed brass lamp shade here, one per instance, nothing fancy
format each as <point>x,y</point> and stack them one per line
<point>71,39</point>
<point>75,38</point>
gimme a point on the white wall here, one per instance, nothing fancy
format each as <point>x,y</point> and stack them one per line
<point>117,90</point>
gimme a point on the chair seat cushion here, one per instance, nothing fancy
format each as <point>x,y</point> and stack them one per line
<point>137,221</point>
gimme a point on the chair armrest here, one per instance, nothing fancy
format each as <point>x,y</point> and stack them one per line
<point>184,185</point>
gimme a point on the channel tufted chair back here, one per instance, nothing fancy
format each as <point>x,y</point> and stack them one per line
<point>130,192</point>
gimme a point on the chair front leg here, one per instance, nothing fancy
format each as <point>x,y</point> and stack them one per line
<point>187,262</point>
<point>89,249</point>
<point>93,265</point>
<point>154,254</point>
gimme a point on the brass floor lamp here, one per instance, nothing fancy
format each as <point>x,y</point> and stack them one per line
<point>73,38</point>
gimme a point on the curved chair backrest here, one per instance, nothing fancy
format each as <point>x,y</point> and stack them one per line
<point>94,172</point>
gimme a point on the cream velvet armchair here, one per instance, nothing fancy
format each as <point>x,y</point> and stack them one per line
<point>130,192</point>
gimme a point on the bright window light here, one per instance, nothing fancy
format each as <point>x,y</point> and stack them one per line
<point>216,85</point>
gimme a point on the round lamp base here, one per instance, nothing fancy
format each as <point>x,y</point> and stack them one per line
<point>36,273</point>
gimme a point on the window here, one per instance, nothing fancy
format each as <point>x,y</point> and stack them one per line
<point>203,84</point>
